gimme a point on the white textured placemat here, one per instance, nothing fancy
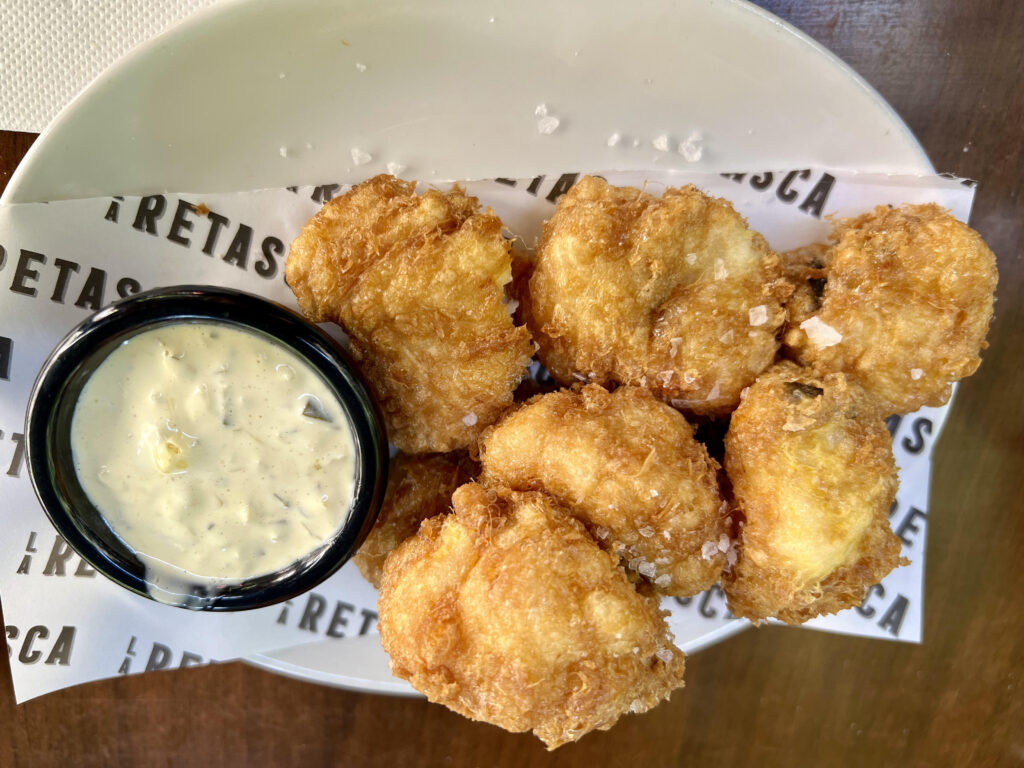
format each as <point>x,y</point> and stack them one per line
<point>51,49</point>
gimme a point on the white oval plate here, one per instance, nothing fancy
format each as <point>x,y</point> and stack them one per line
<point>269,93</point>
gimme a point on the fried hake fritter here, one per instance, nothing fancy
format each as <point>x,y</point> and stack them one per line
<point>806,270</point>
<point>906,306</point>
<point>418,487</point>
<point>418,284</point>
<point>813,477</point>
<point>628,467</point>
<point>674,294</point>
<point>506,611</point>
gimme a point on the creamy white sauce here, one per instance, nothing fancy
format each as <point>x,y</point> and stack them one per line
<point>214,453</point>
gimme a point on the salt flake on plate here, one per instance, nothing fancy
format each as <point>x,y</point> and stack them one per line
<point>548,125</point>
<point>359,157</point>
<point>693,148</point>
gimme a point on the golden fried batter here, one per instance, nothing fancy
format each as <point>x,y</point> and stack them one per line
<point>418,487</point>
<point>674,294</point>
<point>507,611</point>
<point>628,467</point>
<point>417,282</point>
<point>812,471</point>
<point>806,270</point>
<point>906,306</point>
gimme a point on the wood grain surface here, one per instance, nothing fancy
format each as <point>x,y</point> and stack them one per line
<point>953,70</point>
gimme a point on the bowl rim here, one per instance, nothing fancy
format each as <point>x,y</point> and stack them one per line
<point>65,371</point>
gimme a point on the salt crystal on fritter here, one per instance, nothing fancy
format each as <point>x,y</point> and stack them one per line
<point>691,258</point>
<point>709,550</point>
<point>720,271</point>
<point>469,419</point>
<point>726,338</point>
<point>654,494</point>
<point>723,543</point>
<point>715,392</point>
<point>647,569</point>
<point>646,532</point>
<point>916,373</point>
<point>675,341</point>
<point>359,157</point>
<point>820,334</point>
<point>663,581</point>
<point>664,654</point>
<point>689,377</point>
<point>758,315</point>
<point>731,557</point>
<point>601,533</point>
<point>512,305</point>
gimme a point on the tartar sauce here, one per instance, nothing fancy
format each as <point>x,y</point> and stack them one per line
<point>213,452</point>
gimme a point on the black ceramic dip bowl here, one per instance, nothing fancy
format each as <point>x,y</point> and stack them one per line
<point>52,467</point>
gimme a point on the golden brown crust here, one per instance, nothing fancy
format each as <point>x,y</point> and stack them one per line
<point>813,477</point>
<point>674,294</point>
<point>628,467</point>
<point>418,284</point>
<point>909,295</point>
<point>507,611</point>
<point>418,487</point>
<point>806,270</point>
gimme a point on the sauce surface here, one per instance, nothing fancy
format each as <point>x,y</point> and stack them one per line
<point>213,452</point>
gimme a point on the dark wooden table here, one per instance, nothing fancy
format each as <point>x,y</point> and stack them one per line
<point>953,70</point>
